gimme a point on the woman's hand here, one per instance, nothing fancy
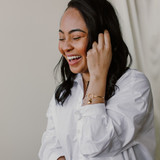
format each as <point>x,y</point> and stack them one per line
<point>61,158</point>
<point>100,56</point>
<point>98,61</point>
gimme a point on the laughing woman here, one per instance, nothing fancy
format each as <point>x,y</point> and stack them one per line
<point>102,110</point>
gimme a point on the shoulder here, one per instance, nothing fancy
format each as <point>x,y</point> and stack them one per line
<point>52,101</point>
<point>52,105</point>
<point>131,78</point>
<point>133,95</point>
<point>133,85</point>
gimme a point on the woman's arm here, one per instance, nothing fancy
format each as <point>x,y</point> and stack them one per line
<point>98,60</point>
<point>50,148</point>
<point>127,119</point>
<point>108,130</point>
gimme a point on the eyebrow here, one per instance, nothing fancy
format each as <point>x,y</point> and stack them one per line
<point>73,30</point>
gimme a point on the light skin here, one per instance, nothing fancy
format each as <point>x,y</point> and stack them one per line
<point>93,64</point>
<point>73,39</point>
<point>61,158</point>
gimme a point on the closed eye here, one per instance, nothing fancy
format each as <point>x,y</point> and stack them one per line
<point>61,39</point>
<point>76,38</point>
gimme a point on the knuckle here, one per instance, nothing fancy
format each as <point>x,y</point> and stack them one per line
<point>99,48</point>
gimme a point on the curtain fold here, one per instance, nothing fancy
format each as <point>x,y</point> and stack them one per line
<point>140,25</point>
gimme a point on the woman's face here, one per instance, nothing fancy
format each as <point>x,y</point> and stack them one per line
<point>73,40</point>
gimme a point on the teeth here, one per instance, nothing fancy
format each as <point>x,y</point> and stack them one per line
<point>73,57</point>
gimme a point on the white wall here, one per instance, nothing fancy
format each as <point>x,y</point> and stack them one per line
<point>28,54</point>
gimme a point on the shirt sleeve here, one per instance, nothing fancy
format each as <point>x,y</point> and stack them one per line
<point>108,130</point>
<point>50,148</point>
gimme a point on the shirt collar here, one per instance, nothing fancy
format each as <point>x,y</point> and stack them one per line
<point>78,78</point>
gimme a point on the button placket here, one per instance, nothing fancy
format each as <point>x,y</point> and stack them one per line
<point>78,115</point>
<point>80,97</point>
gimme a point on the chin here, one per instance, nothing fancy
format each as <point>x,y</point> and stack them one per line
<point>74,71</point>
<point>80,68</point>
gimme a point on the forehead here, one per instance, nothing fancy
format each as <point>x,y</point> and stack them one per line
<point>72,19</point>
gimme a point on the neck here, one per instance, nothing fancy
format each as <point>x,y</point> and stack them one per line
<point>86,79</point>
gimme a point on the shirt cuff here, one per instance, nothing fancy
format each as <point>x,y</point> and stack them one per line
<point>56,155</point>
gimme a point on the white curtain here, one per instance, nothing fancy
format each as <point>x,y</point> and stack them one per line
<point>140,24</point>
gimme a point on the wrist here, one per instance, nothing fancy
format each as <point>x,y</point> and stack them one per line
<point>93,99</point>
<point>97,87</point>
<point>98,79</point>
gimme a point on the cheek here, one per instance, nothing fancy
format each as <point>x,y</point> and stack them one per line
<point>82,47</point>
<point>83,50</point>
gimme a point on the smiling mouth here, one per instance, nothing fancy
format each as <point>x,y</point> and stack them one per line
<point>71,58</point>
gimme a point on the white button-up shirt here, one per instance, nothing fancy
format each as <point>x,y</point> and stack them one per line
<point>121,130</point>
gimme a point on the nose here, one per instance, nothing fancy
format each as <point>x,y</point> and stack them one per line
<point>67,47</point>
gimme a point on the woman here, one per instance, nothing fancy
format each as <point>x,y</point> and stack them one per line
<point>102,110</point>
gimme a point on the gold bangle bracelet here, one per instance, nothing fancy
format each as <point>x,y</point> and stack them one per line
<point>91,96</point>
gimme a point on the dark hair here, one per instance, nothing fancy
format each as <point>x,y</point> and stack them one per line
<point>98,16</point>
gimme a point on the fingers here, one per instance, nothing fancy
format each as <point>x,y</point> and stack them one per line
<point>107,40</point>
<point>93,49</point>
<point>94,46</point>
<point>101,40</point>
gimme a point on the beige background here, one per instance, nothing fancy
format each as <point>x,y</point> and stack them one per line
<point>28,54</point>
